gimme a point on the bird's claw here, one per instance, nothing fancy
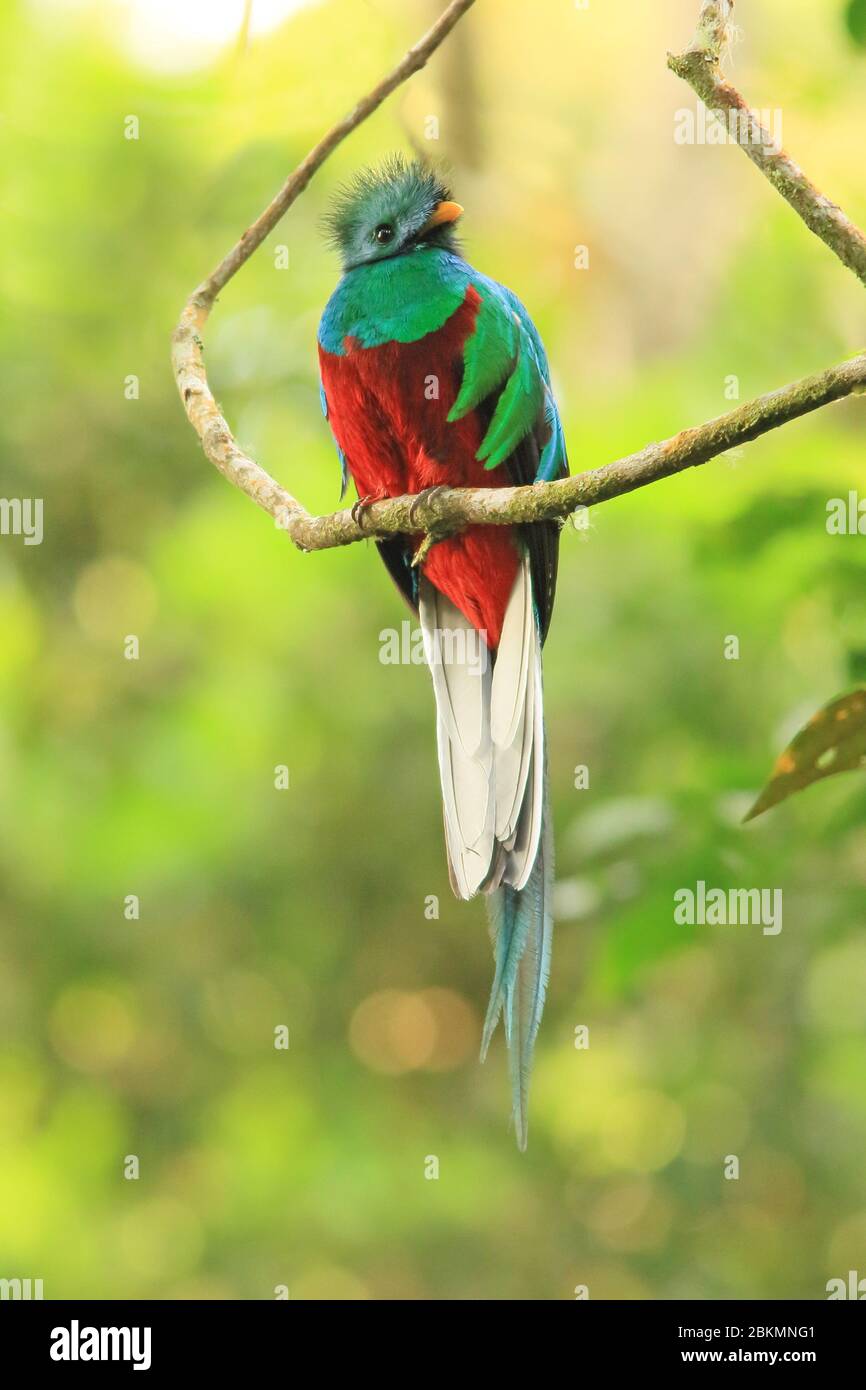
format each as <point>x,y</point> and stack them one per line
<point>360,508</point>
<point>424,497</point>
<point>428,540</point>
<point>433,535</point>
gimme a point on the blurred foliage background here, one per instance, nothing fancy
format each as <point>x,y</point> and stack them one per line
<point>306,907</point>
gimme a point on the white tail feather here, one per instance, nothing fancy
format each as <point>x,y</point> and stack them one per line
<point>490,737</point>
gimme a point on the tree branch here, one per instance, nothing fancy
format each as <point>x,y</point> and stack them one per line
<point>700,66</point>
<point>452,509</point>
<point>457,507</point>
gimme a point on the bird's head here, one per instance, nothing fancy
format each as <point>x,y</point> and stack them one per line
<point>390,211</point>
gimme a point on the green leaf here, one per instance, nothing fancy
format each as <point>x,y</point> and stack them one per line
<point>855,20</point>
<point>834,740</point>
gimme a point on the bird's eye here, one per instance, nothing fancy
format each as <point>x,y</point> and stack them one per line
<point>384,233</point>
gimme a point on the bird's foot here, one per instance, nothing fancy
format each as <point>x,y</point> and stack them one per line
<point>360,508</point>
<point>428,540</point>
<point>437,530</point>
<point>432,536</point>
<point>424,497</point>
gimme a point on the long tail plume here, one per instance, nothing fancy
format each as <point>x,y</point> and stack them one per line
<point>493,770</point>
<point>521,929</point>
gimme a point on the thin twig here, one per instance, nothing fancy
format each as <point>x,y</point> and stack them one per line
<point>700,66</point>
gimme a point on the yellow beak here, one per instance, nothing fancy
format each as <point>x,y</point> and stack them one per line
<point>443,212</point>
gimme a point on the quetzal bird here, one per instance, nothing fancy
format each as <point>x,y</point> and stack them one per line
<point>433,374</point>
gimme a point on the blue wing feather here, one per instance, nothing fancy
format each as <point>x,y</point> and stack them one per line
<point>344,468</point>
